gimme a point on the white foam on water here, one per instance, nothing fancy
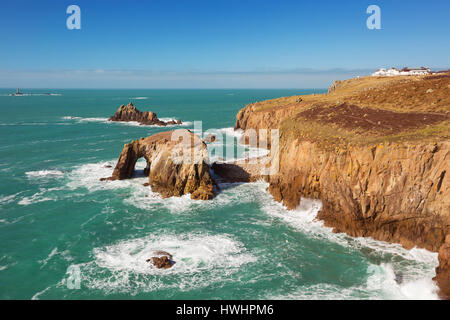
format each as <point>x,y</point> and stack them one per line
<point>231,137</point>
<point>95,119</point>
<point>302,218</point>
<point>231,132</point>
<point>230,194</point>
<point>70,118</point>
<point>47,259</point>
<point>125,123</point>
<point>88,176</point>
<point>144,198</point>
<point>383,281</point>
<point>139,98</point>
<point>137,124</point>
<point>38,294</point>
<point>82,119</point>
<point>416,266</point>
<point>8,199</point>
<point>321,291</point>
<point>44,174</point>
<point>32,94</point>
<point>381,284</point>
<point>200,260</point>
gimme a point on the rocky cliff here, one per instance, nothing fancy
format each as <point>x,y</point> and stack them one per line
<point>376,151</point>
<point>177,164</point>
<point>443,270</point>
<point>131,113</point>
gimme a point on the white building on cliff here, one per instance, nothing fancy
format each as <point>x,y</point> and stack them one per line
<point>392,72</point>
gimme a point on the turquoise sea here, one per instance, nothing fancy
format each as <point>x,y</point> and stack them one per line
<point>58,222</point>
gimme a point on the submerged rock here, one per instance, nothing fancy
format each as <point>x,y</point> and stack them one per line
<point>131,113</point>
<point>177,164</point>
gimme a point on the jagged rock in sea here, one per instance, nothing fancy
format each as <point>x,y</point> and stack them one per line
<point>177,164</point>
<point>376,152</point>
<point>131,113</point>
<point>162,260</point>
<point>210,138</point>
<point>443,270</point>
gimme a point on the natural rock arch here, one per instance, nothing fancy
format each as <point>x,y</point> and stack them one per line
<point>177,164</point>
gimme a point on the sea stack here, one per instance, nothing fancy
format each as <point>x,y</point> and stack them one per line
<point>129,112</point>
<point>177,164</point>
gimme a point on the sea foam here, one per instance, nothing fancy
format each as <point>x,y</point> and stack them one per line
<point>416,265</point>
<point>81,120</point>
<point>44,174</point>
<point>200,260</point>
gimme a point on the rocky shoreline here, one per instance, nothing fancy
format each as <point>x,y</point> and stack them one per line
<point>177,164</point>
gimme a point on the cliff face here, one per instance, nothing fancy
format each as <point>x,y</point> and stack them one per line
<point>131,113</point>
<point>174,167</point>
<point>379,164</point>
<point>393,192</point>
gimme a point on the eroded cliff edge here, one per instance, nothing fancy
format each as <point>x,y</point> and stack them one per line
<point>376,151</point>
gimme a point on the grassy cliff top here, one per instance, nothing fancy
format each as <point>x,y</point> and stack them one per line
<point>369,110</point>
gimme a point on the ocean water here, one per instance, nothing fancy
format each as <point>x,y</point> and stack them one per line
<point>58,222</point>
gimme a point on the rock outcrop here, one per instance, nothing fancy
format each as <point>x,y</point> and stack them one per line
<point>443,271</point>
<point>162,260</point>
<point>177,164</point>
<point>131,113</point>
<point>375,151</point>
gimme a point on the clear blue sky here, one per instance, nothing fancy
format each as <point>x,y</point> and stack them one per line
<point>215,43</point>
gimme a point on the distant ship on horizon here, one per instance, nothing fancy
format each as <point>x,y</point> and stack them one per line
<point>18,93</point>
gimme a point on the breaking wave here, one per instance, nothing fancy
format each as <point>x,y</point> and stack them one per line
<point>125,123</point>
<point>200,260</point>
<point>44,174</point>
<point>392,273</point>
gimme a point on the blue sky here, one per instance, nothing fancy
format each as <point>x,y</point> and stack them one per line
<point>215,43</point>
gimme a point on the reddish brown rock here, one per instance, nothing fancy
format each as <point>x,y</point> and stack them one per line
<point>162,260</point>
<point>443,270</point>
<point>177,164</point>
<point>131,113</point>
<point>161,263</point>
